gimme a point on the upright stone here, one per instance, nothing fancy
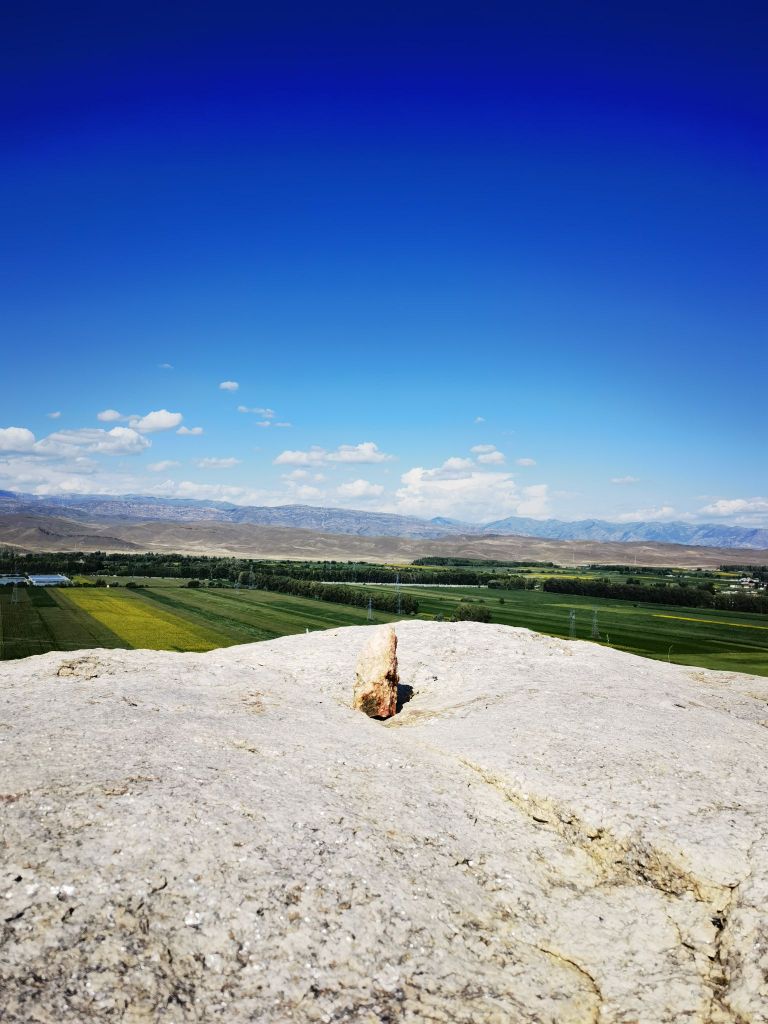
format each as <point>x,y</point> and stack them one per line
<point>376,676</point>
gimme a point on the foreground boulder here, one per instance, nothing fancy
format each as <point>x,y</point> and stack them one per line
<point>376,675</point>
<point>549,832</point>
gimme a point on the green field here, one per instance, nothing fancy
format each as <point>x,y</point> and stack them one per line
<point>166,615</point>
<point>736,642</point>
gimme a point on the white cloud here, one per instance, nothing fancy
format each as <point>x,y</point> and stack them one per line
<point>296,474</point>
<point>190,431</point>
<point>479,419</point>
<point>109,415</point>
<point>267,414</point>
<point>460,489</point>
<point>481,449</point>
<point>625,480</point>
<point>160,419</point>
<point>283,423</point>
<point>212,463</point>
<point>456,465</point>
<point>263,423</point>
<point>525,462</point>
<point>360,489</point>
<point>53,415</point>
<point>16,439</point>
<point>70,443</point>
<point>305,491</point>
<point>744,511</point>
<point>297,458</point>
<point>366,452</point>
<point>161,467</point>
<point>228,385</point>
<point>535,501</point>
<point>165,366</point>
<point>491,458</point>
<point>656,514</point>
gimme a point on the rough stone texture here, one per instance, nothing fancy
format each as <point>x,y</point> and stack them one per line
<point>548,832</point>
<point>376,676</point>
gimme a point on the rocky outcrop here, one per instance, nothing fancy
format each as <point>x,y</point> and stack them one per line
<point>376,676</point>
<point>548,832</point>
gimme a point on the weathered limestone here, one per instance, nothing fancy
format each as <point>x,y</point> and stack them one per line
<point>376,676</point>
<point>548,833</point>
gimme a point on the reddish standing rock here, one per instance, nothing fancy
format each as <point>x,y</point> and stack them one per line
<point>376,676</point>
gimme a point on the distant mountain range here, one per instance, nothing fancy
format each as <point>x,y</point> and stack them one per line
<point>108,508</point>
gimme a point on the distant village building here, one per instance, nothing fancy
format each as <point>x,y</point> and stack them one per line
<point>53,580</point>
<point>9,580</point>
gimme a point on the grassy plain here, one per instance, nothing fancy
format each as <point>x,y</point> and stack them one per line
<point>730,641</point>
<point>166,615</point>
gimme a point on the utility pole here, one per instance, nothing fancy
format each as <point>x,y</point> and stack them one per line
<point>572,623</point>
<point>399,595</point>
<point>370,609</point>
<point>595,631</point>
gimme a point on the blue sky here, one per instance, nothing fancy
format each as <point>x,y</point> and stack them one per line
<point>469,263</point>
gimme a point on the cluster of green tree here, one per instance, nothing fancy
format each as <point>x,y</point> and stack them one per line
<point>178,566</point>
<point>363,572</point>
<point>481,562</point>
<point>635,570</point>
<point>470,613</point>
<point>511,582</point>
<point>691,597</point>
<point>757,572</point>
<point>335,592</point>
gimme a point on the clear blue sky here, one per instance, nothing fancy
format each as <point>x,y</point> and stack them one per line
<point>407,232</point>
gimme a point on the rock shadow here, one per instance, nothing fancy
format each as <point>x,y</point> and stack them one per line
<point>404,694</point>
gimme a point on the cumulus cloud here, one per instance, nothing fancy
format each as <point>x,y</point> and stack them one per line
<point>625,480</point>
<point>53,415</point>
<point>745,511</point>
<point>488,454</point>
<point>525,462</point>
<point>228,385</point>
<point>70,443</point>
<point>463,490</point>
<point>296,474</point>
<point>656,514</point>
<point>455,465</point>
<point>165,366</point>
<point>109,415</point>
<point>16,439</point>
<point>190,431</point>
<point>161,467</point>
<point>160,419</point>
<point>535,501</point>
<point>212,463</point>
<point>360,489</point>
<point>366,452</point>
<point>479,419</point>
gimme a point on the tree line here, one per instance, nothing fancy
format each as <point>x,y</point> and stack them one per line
<point>337,593</point>
<point>690,597</point>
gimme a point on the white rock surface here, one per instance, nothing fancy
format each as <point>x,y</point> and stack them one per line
<point>548,832</point>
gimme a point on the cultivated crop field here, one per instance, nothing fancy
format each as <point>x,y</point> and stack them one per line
<point>729,641</point>
<point>164,614</point>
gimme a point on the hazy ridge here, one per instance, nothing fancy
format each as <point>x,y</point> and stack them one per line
<point>93,508</point>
